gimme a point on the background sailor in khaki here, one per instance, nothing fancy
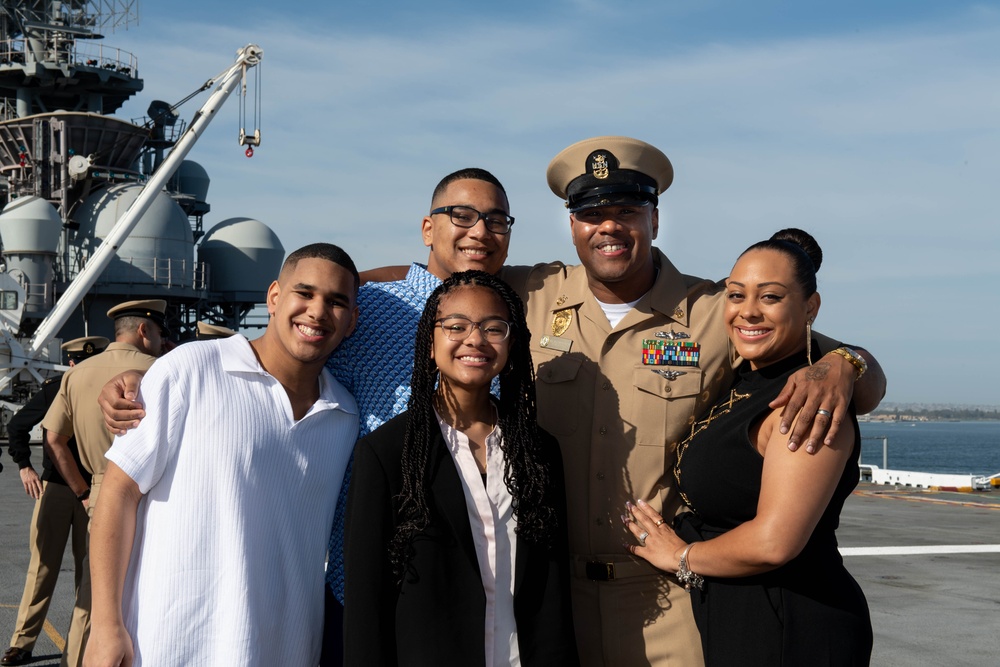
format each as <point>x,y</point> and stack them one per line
<point>627,351</point>
<point>140,337</point>
<point>208,331</point>
<point>58,516</point>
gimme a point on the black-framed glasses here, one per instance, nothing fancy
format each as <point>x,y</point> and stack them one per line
<point>460,328</point>
<point>466,216</point>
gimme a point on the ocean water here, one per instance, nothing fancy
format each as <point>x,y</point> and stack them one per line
<point>945,447</point>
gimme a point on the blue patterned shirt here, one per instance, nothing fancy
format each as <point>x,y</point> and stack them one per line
<point>375,364</point>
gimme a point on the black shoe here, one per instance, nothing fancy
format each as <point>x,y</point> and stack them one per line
<point>15,656</point>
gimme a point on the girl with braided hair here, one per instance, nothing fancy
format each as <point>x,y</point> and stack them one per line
<point>455,549</point>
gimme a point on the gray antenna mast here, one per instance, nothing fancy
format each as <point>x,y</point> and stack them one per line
<point>52,57</point>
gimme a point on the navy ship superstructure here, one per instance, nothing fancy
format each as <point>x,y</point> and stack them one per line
<point>69,172</point>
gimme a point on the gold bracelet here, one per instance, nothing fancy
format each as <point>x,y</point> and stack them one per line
<point>854,359</point>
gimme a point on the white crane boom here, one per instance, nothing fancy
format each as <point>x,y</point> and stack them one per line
<point>247,57</point>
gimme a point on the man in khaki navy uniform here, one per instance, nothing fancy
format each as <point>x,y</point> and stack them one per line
<point>58,515</point>
<point>627,351</point>
<point>140,337</point>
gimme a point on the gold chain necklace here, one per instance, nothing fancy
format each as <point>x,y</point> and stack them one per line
<point>718,410</point>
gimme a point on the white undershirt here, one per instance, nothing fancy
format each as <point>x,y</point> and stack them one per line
<point>616,312</point>
<point>491,518</point>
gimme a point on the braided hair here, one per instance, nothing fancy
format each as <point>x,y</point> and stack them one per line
<point>525,473</point>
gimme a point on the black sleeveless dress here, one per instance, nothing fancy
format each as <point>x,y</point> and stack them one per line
<point>810,611</point>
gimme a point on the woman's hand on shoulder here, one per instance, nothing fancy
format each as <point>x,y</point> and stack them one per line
<point>815,403</point>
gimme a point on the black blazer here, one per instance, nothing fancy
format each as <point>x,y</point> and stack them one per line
<point>438,616</point>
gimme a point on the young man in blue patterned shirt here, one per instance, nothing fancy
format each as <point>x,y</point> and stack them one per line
<point>468,227</point>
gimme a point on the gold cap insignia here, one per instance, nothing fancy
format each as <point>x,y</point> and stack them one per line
<point>599,166</point>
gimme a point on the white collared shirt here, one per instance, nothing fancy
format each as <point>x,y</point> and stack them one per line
<point>227,562</point>
<point>491,518</point>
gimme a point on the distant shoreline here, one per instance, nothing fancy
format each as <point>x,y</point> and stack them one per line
<point>931,412</point>
<point>888,419</point>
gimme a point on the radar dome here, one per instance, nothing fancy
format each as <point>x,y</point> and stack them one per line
<point>30,229</point>
<point>30,224</point>
<point>192,179</point>
<point>244,256</point>
<point>160,249</point>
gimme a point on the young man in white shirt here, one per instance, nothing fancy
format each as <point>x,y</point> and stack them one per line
<point>209,544</point>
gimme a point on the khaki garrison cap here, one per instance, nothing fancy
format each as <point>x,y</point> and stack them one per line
<point>609,170</point>
<point>208,331</point>
<point>79,349</point>
<point>151,309</point>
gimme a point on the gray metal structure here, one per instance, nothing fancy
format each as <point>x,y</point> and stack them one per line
<point>97,210</point>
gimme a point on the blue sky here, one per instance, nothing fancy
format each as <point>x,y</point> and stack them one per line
<point>873,125</point>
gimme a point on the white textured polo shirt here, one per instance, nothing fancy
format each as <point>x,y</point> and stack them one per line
<point>227,564</point>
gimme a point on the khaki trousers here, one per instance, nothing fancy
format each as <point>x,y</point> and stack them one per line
<point>79,627</point>
<point>641,621</point>
<point>57,516</point>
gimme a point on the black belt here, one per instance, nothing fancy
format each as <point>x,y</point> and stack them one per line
<point>599,570</point>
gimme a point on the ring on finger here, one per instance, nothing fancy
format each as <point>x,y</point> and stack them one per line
<point>643,535</point>
<point>658,523</point>
<point>825,413</point>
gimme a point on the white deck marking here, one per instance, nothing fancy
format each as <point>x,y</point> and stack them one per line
<point>922,551</point>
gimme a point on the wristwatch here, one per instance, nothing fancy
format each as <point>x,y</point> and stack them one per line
<point>854,358</point>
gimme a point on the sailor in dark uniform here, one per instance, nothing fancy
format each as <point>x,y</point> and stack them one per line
<point>58,514</point>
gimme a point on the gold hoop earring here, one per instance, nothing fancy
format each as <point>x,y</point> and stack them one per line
<point>809,339</point>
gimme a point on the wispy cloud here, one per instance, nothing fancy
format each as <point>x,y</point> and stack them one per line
<point>883,142</point>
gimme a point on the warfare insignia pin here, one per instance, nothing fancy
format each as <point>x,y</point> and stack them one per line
<point>670,375</point>
<point>561,321</point>
<point>672,335</point>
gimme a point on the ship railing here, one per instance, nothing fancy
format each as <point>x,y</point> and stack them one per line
<point>8,108</point>
<point>70,51</point>
<point>256,319</point>
<point>107,57</point>
<point>171,133</point>
<point>12,52</point>
<point>37,295</point>
<point>884,475</point>
<point>885,447</point>
<point>926,480</point>
<point>157,271</point>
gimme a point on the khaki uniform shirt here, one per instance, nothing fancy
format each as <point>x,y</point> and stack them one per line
<point>618,421</point>
<point>75,412</point>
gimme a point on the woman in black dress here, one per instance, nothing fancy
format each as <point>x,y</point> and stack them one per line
<point>757,542</point>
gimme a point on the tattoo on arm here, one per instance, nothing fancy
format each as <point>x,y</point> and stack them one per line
<point>818,372</point>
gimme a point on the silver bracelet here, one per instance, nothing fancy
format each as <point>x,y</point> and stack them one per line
<point>684,574</point>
